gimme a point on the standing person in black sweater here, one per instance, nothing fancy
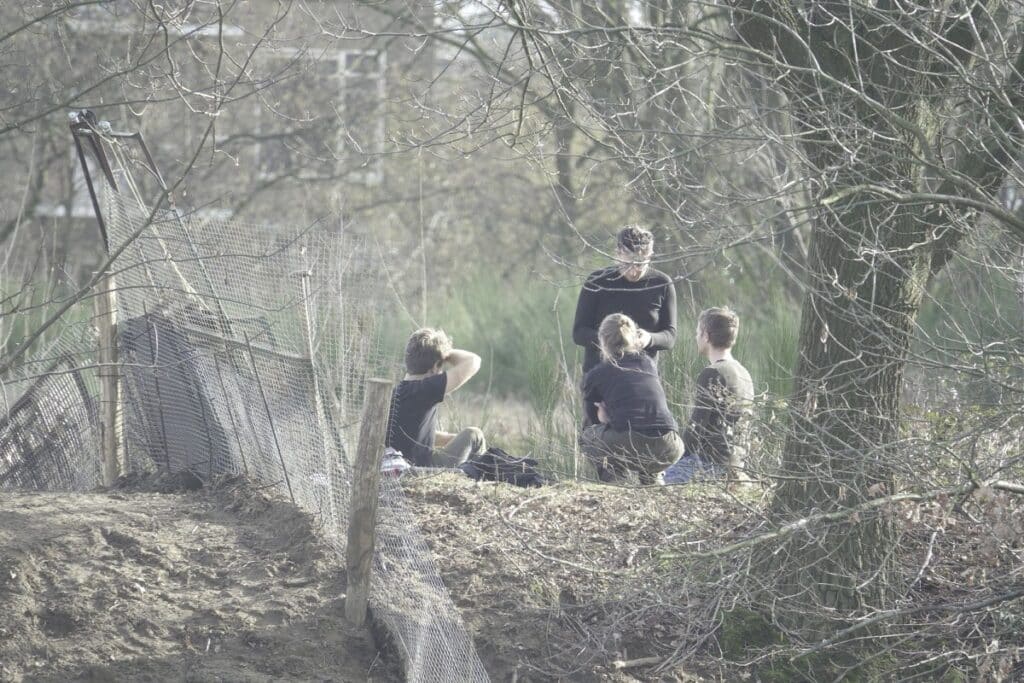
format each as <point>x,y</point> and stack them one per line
<point>636,431</point>
<point>631,287</point>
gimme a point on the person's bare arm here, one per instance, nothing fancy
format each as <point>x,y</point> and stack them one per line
<point>460,367</point>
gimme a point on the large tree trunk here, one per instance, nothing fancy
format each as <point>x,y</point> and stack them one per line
<point>871,106</point>
<point>856,325</point>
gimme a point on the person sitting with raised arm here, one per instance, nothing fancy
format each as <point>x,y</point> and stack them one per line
<point>716,438</point>
<point>636,432</point>
<point>433,370</point>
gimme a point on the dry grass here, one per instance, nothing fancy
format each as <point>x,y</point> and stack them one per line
<point>573,581</point>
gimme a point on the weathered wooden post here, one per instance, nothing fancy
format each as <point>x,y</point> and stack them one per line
<point>110,400</point>
<point>362,519</point>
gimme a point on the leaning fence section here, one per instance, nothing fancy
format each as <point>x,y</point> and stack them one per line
<point>410,597</point>
<point>241,350</point>
<point>49,427</point>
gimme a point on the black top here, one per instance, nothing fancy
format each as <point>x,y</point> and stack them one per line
<point>650,302</point>
<point>717,430</point>
<point>413,418</point>
<point>632,395</point>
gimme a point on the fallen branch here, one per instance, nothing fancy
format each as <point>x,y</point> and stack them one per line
<point>631,663</point>
<point>805,522</point>
<point>298,582</point>
<point>895,613</point>
<point>516,509</point>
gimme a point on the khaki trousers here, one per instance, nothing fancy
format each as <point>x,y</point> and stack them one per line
<point>469,442</point>
<point>617,453</point>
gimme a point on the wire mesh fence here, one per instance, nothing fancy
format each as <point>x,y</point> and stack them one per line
<point>243,351</point>
<point>48,431</point>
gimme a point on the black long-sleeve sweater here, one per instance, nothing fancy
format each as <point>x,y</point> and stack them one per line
<point>650,302</point>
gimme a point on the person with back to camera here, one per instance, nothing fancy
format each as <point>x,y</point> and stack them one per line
<point>716,438</point>
<point>433,370</point>
<point>631,287</point>
<point>635,430</point>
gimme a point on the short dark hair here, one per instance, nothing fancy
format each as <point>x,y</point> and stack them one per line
<point>425,349</point>
<point>635,239</point>
<point>721,325</point>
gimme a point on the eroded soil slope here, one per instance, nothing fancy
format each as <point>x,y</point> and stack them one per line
<point>142,585</point>
<point>585,582</point>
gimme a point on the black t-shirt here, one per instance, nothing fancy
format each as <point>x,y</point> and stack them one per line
<point>718,428</point>
<point>632,394</point>
<point>650,302</point>
<point>413,418</point>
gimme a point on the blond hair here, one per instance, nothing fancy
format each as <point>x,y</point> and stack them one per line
<point>425,349</point>
<point>618,335</point>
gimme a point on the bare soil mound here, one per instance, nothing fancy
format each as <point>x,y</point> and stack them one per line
<point>156,582</point>
<point>165,581</point>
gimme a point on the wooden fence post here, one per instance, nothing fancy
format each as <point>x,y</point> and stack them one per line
<point>110,400</point>
<point>365,490</point>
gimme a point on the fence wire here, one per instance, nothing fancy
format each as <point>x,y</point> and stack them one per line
<point>243,351</point>
<point>49,432</point>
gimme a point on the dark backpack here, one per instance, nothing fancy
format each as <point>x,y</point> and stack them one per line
<point>497,465</point>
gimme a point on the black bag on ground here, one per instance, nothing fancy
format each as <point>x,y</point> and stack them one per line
<point>494,464</point>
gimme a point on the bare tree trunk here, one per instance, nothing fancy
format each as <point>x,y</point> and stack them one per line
<point>875,243</point>
<point>857,322</point>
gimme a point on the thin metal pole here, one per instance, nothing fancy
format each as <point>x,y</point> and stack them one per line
<point>309,335</point>
<point>92,193</point>
<point>231,414</point>
<point>270,418</point>
<point>329,464</point>
<point>83,124</point>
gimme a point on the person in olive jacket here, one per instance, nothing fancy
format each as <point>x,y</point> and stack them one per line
<point>717,438</point>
